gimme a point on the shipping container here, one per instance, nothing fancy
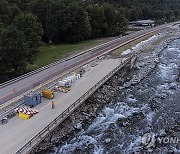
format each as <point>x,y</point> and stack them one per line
<point>48,94</point>
<point>32,99</point>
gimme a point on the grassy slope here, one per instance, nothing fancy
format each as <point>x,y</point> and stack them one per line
<point>51,53</point>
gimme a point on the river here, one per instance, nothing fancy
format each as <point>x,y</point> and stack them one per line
<point>151,106</point>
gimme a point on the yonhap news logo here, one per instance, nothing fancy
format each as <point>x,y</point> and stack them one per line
<point>149,140</point>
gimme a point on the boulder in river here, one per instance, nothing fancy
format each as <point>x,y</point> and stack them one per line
<point>108,140</point>
<point>78,126</point>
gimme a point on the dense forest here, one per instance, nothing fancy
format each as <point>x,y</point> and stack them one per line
<point>25,23</point>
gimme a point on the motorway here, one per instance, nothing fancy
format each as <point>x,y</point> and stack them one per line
<point>17,88</point>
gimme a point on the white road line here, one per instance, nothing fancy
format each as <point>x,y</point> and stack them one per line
<point>44,107</point>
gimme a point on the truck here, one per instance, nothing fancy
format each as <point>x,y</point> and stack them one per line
<point>32,99</point>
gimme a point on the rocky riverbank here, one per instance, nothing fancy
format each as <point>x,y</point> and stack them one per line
<point>84,115</point>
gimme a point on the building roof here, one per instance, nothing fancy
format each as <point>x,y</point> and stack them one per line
<point>142,22</point>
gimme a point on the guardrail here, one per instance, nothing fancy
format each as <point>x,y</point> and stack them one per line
<point>53,64</point>
<point>50,127</point>
<point>70,109</point>
<point>57,62</point>
<point>146,32</point>
<point>130,40</point>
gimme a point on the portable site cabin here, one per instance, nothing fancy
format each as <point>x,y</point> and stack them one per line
<point>32,99</point>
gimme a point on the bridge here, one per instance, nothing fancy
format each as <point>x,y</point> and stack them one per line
<point>19,136</point>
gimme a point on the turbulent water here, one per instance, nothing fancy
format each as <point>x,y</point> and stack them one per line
<point>153,105</point>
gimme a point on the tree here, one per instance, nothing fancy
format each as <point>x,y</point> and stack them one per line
<point>27,23</point>
<point>13,53</point>
<point>42,9</point>
<point>121,24</point>
<point>97,20</point>
<point>115,20</point>
<point>62,20</point>
<point>7,12</point>
<point>76,26</point>
<point>111,19</point>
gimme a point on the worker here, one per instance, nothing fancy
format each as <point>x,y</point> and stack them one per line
<point>53,104</point>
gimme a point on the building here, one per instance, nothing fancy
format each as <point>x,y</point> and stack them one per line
<point>141,24</point>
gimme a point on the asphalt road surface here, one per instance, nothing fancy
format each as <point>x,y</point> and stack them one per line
<point>17,132</point>
<point>15,89</point>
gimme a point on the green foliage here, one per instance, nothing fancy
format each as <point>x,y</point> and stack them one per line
<point>23,22</point>
<point>13,51</point>
<point>116,21</point>
<point>97,19</point>
<point>77,26</point>
<point>20,37</point>
<point>160,10</point>
<point>52,52</point>
<point>27,23</point>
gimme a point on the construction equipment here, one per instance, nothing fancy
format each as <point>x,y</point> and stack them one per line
<point>64,83</point>
<point>78,76</point>
<point>81,72</point>
<point>72,78</point>
<point>32,99</point>
<point>25,112</point>
<point>24,116</point>
<point>48,94</point>
<point>61,89</point>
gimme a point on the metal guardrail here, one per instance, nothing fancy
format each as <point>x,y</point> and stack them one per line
<point>19,102</point>
<point>146,32</point>
<point>70,109</point>
<point>53,64</point>
<point>131,39</point>
<point>20,99</point>
<point>58,62</point>
<point>50,127</point>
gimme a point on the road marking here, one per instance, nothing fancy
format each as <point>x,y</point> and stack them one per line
<point>44,106</point>
<point>46,83</point>
<point>91,59</point>
<point>69,70</point>
<point>31,84</point>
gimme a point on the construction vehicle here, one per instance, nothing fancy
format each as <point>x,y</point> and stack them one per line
<point>48,94</point>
